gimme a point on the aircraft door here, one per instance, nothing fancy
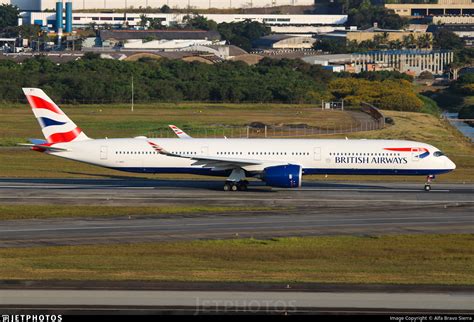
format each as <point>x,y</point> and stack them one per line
<point>317,154</point>
<point>103,152</point>
<point>204,150</point>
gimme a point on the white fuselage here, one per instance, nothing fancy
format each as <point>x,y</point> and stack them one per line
<point>390,157</point>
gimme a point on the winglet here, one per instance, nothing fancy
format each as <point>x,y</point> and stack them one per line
<point>180,133</point>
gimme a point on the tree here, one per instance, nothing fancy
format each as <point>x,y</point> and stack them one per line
<point>332,46</point>
<point>29,31</point>
<point>143,21</point>
<point>464,57</point>
<point>199,22</point>
<point>381,40</point>
<point>8,16</point>
<point>242,34</point>
<point>409,41</point>
<point>467,112</point>
<point>426,75</point>
<point>165,9</point>
<point>446,39</point>
<point>392,94</point>
<point>364,15</point>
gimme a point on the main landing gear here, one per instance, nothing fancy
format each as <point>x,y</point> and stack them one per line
<point>429,179</point>
<point>236,186</point>
<point>236,181</point>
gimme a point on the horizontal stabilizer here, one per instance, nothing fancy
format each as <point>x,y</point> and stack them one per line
<point>38,141</point>
<point>42,147</point>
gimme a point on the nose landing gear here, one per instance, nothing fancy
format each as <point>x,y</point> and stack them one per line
<point>429,179</point>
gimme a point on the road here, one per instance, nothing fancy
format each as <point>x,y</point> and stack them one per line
<point>315,209</point>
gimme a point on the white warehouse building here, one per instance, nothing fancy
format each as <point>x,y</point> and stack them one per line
<point>83,19</point>
<point>40,5</point>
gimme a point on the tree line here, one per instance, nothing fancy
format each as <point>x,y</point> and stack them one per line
<point>92,80</point>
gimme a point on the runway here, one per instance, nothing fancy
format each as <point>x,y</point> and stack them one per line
<point>196,302</point>
<point>316,209</point>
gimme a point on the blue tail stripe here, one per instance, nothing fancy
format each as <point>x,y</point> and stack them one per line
<point>45,122</point>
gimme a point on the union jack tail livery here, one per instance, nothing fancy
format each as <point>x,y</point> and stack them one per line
<point>56,126</point>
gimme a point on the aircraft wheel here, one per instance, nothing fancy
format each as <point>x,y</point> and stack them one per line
<point>234,187</point>
<point>227,186</point>
<point>427,187</point>
<point>242,186</point>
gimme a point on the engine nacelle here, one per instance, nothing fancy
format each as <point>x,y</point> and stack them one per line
<point>283,176</point>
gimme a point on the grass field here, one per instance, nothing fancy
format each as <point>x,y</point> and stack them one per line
<point>18,124</point>
<point>8,212</point>
<point>399,259</point>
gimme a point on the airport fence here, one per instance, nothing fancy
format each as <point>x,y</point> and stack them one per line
<point>366,118</point>
<point>268,131</point>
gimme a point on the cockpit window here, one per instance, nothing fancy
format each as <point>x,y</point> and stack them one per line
<point>438,154</point>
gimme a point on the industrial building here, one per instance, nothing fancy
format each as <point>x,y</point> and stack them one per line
<point>433,8</point>
<point>371,33</point>
<point>284,42</point>
<point>158,39</point>
<point>40,5</point>
<point>131,20</point>
<point>412,62</point>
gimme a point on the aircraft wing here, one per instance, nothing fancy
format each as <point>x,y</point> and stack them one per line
<point>220,163</point>
<point>180,133</point>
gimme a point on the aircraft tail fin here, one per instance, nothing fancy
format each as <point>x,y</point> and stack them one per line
<point>56,126</point>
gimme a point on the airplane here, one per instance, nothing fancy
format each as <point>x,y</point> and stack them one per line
<point>277,162</point>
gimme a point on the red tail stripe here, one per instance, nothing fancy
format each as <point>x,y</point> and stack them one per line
<point>38,102</point>
<point>64,137</point>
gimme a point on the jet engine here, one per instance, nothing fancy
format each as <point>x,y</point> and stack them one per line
<point>283,176</point>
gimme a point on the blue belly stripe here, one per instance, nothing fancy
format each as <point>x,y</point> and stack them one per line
<point>306,171</point>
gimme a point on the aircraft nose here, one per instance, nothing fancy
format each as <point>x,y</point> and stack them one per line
<point>450,164</point>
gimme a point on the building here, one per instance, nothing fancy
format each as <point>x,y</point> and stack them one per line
<point>453,20</point>
<point>335,63</point>
<point>412,62</point>
<point>40,5</point>
<point>133,20</point>
<point>326,60</point>
<point>158,39</point>
<point>371,33</point>
<point>284,42</point>
<point>118,35</point>
<point>432,8</point>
